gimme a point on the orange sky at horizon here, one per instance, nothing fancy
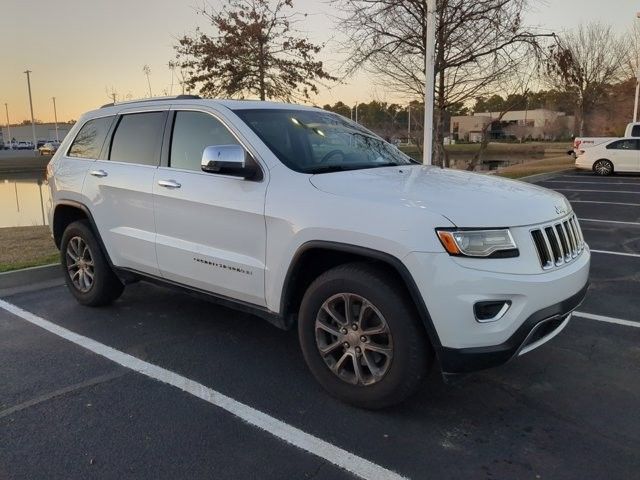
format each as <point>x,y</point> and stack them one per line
<point>80,49</point>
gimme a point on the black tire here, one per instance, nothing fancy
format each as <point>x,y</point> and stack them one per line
<point>412,354</point>
<point>603,167</point>
<point>105,286</point>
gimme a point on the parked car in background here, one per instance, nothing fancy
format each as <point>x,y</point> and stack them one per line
<point>618,155</point>
<point>584,143</point>
<point>25,146</point>
<point>48,148</point>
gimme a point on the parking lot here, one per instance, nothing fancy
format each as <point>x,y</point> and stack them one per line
<point>163,385</point>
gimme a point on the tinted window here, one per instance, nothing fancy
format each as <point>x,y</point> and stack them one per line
<point>138,138</point>
<point>635,131</point>
<point>623,145</point>
<point>90,138</point>
<point>192,132</point>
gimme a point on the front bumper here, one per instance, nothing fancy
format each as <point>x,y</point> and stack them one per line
<point>539,328</point>
<point>540,307</point>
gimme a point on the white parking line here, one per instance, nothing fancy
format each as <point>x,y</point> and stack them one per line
<point>591,183</point>
<point>596,191</point>
<point>606,203</point>
<point>337,456</point>
<point>607,221</point>
<point>607,252</point>
<point>589,176</point>
<point>602,318</point>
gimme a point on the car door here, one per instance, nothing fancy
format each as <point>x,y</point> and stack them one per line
<point>211,232</point>
<point>120,189</point>
<point>624,154</point>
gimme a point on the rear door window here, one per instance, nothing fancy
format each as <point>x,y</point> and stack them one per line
<point>88,143</point>
<point>627,144</point>
<point>138,138</point>
<point>635,131</point>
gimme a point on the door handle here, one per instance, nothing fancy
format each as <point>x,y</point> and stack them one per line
<point>98,173</point>
<point>169,184</point>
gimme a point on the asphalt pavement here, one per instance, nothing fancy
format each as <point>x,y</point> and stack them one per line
<point>566,410</point>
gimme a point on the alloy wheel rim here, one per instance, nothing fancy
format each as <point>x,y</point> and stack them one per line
<point>353,339</point>
<point>80,265</point>
<point>603,168</point>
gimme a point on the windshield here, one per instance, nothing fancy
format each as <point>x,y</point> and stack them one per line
<point>320,142</point>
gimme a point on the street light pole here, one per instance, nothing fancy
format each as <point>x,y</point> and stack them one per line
<point>33,125</point>
<point>55,117</point>
<point>6,110</point>
<point>635,105</point>
<point>429,83</point>
<point>409,125</point>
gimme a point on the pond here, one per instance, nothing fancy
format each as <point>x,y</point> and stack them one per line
<point>23,202</point>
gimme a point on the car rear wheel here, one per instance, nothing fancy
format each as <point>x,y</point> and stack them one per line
<point>603,167</point>
<point>87,272</point>
<point>362,338</point>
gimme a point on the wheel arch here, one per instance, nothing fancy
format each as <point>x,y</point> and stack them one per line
<point>316,257</point>
<point>69,211</point>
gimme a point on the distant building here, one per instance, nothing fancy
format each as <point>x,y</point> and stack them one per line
<point>539,124</point>
<point>44,132</point>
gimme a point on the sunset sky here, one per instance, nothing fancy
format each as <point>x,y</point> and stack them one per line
<point>77,49</point>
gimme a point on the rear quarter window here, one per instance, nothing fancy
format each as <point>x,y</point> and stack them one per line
<point>90,139</point>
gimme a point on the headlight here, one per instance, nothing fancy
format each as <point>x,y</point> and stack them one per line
<point>478,243</point>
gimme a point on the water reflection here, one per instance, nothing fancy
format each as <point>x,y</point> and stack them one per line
<point>23,202</point>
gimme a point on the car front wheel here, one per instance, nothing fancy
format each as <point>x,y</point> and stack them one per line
<point>362,338</point>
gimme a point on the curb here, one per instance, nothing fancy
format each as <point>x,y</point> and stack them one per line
<point>540,177</point>
<point>31,275</point>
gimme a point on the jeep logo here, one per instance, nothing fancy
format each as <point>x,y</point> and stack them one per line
<point>560,210</point>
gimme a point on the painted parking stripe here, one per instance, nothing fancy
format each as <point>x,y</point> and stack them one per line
<point>591,190</point>
<point>591,176</point>
<point>607,252</point>
<point>608,221</point>
<point>603,318</point>
<point>606,203</point>
<point>337,456</point>
<point>591,183</point>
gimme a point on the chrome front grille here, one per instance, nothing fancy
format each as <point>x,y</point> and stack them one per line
<point>559,242</point>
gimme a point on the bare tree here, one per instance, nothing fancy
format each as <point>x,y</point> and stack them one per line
<point>584,62</point>
<point>255,51</point>
<point>478,43</point>
<point>147,71</point>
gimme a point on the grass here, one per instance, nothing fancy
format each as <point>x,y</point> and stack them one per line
<point>23,247</point>
<point>537,166</point>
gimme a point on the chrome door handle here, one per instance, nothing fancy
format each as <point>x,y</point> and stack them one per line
<point>169,184</point>
<point>98,173</point>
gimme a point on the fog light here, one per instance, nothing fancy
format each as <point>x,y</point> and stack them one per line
<point>491,311</point>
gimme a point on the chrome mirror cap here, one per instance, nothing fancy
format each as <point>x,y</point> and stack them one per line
<point>224,159</point>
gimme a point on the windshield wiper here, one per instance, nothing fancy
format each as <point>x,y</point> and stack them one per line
<point>344,168</point>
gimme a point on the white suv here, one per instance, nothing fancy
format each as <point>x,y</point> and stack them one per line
<point>304,217</point>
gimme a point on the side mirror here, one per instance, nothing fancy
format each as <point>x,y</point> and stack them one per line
<point>229,160</point>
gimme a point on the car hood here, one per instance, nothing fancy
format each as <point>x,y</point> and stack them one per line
<point>466,199</point>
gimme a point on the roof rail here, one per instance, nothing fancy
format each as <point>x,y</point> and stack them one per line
<point>153,99</point>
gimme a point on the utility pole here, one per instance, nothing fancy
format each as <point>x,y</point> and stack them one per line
<point>6,109</point>
<point>429,82</point>
<point>55,117</point>
<point>33,125</point>
<point>635,105</point>
<point>356,112</point>
<point>409,125</point>
<point>147,71</point>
